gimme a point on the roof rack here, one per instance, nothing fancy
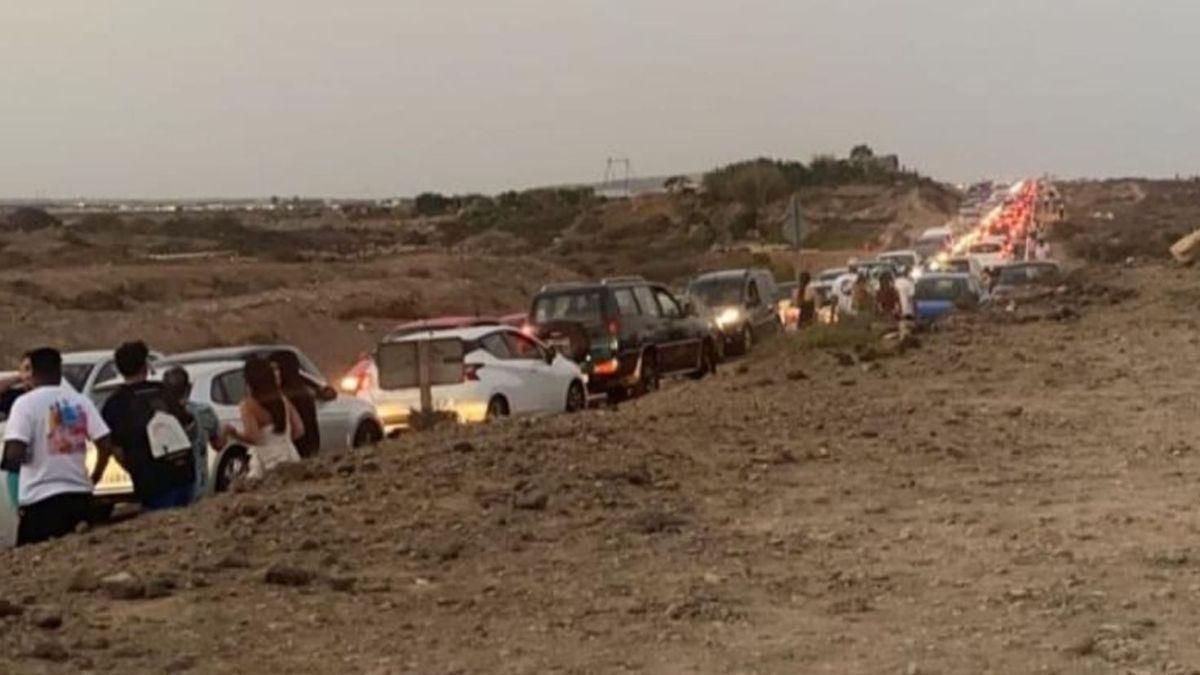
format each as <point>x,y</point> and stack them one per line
<point>631,278</point>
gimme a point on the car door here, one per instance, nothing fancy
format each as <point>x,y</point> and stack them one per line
<point>685,342</point>
<point>225,393</point>
<point>755,304</point>
<point>544,386</point>
<point>508,375</point>
<point>655,328</point>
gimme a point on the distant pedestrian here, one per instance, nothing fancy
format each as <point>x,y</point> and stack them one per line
<point>202,425</point>
<point>806,300</point>
<point>270,425</point>
<point>861,298</point>
<point>843,291</point>
<point>303,397</point>
<point>46,437</point>
<point>1043,250</point>
<point>149,434</point>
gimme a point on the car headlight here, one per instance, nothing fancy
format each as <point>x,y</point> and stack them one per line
<point>728,317</point>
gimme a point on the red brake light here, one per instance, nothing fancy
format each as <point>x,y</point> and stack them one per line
<point>471,372</point>
<point>614,327</point>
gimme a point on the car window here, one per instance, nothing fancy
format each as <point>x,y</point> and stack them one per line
<point>107,372</point>
<point>626,305</point>
<point>576,305</point>
<point>76,374</point>
<point>229,388</point>
<point>496,345</point>
<point>521,347</point>
<point>645,298</point>
<point>670,308</point>
<point>752,293</point>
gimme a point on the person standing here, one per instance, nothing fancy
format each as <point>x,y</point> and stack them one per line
<point>843,291</point>
<point>300,394</point>
<point>46,438</point>
<point>11,390</point>
<point>906,289</point>
<point>149,435</point>
<point>887,298</point>
<point>270,425</point>
<point>202,427</point>
<point>806,300</point>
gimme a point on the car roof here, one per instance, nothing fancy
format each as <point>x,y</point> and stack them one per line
<point>88,356</point>
<point>195,371</point>
<point>239,353</point>
<point>905,251</point>
<point>471,333</point>
<point>441,322</point>
<point>934,276</point>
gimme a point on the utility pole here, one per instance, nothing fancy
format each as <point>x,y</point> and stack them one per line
<point>612,172</point>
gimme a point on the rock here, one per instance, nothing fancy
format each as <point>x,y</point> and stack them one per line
<point>281,574</point>
<point>1084,646</point>
<point>159,587</point>
<point>464,447</point>
<point>531,499</point>
<point>49,650</point>
<point>843,359</point>
<point>342,584</point>
<point>9,608</point>
<point>234,560</point>
<point>83,581</point>
<point>47,618</point>
<point>797,375</point>
<point>181,664</point>
<point>1015,411</point>
<point>654,522</point>
<point>448,551</point>
<point>123,586</point>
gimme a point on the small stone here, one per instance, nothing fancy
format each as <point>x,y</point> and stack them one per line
<point>49,650</point>
<point>281,574</point>
<point>464,447</point>
<point>531,500</point>
<point>48,618</point>
<point>797,375</point>
<point>1015,411</point>
<point>83,581</point>
<point>123,586</point>
<point>9,608</point>
<point>342,584</point>
<point>1084,646</point>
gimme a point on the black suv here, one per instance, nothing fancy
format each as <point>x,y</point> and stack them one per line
<point>626,333</point>
<point>743,304</point>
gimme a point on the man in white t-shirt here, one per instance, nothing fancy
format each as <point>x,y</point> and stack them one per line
<point>46,437</point>
<point>843,290</point>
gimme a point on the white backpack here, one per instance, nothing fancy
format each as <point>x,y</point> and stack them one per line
<point>166,436</point>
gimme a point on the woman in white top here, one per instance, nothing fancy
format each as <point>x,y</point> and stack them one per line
<point>270,425</point>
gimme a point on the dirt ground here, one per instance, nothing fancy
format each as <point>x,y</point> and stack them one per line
<point>1017,495</point>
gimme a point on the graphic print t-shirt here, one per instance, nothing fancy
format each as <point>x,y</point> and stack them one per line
<point>56,423</point>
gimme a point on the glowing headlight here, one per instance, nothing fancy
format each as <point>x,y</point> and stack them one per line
<point>728,317</point>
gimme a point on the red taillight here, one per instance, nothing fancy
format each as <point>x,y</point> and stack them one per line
<point>606,367</point>
<point>613,327</point>
<point>358,379</point>
<point>528,329</point>
<point>471,372</point>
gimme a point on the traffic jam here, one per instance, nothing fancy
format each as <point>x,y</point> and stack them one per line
<point>589,343</point>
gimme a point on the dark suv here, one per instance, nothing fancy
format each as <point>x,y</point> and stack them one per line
<point>743,304</point>
<point>626,333</point>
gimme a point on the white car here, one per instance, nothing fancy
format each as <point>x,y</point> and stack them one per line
<point>85,370</point>
<point>989,252</point>
<point>478,374</point>
<point>909,260</point>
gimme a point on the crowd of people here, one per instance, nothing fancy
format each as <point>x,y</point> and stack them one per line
<point>150,426</point>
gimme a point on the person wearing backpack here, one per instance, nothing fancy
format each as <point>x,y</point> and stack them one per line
<point>149,434</point>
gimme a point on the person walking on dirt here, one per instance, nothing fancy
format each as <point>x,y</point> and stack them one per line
<point>46,437</point>
<point>300,394</point>
<point>203,427</point>
<point>270,425</point>
<point>148,430</point>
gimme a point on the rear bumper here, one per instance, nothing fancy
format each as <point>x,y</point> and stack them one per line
<point>468,402</point>
<point>624,376</point>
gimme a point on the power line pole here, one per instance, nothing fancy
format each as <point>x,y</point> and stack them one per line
<point>612,169</point>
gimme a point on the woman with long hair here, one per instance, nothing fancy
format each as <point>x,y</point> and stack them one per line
<point>270,424</point>
<point>299,392</point>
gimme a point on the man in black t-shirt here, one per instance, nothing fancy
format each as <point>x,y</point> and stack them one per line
<point>159,483</point>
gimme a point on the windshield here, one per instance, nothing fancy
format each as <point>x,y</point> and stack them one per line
<point>76,374</point>
<point>569,306</point>
<point>717,292</point>
<point>1022,275</point>
<point>940,289</point>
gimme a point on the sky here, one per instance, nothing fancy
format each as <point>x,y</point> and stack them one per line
<point>358,98</point>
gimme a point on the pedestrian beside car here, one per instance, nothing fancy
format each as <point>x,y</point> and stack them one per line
<point>46,437</point>
<point>905,290</point>
<point>270,424</point>
<point>861,298</point>
<point>887,298</point>
<point>202,425</point>
<point>299,392</point>
<point>806,300</point>
<point>843,291</point>
<point>148,432</point>
<point>10,390</point>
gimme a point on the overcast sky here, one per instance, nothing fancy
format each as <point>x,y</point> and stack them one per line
<point>391,97</point>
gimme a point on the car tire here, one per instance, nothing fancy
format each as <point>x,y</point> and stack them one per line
<point>234,463</point>
<point>576,397</point>
<point>497,408</point>
<point>367,433</point>
<point>708,362</point>
<point>648,379</point>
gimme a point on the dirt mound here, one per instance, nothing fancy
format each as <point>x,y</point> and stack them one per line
<point>1109,221</point>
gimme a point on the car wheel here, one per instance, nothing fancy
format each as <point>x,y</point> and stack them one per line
<point>649,379</point>
<point>367,433</point>
<point>100,512</point>
<point>747,339</point>
<point>234,464</point>
<point>497,408</point>
<point>708,362</point>
<point>576,397</point>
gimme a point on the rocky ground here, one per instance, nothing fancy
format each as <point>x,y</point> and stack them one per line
<point>1015,495</point>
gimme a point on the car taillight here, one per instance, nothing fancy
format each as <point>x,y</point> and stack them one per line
<point>358,379</point>
<point>471,372</point>
<point>606,367</point>
<point>529,329</point>
<point>613,327</point>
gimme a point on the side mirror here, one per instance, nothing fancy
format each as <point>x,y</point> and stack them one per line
<point>326,394</point>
